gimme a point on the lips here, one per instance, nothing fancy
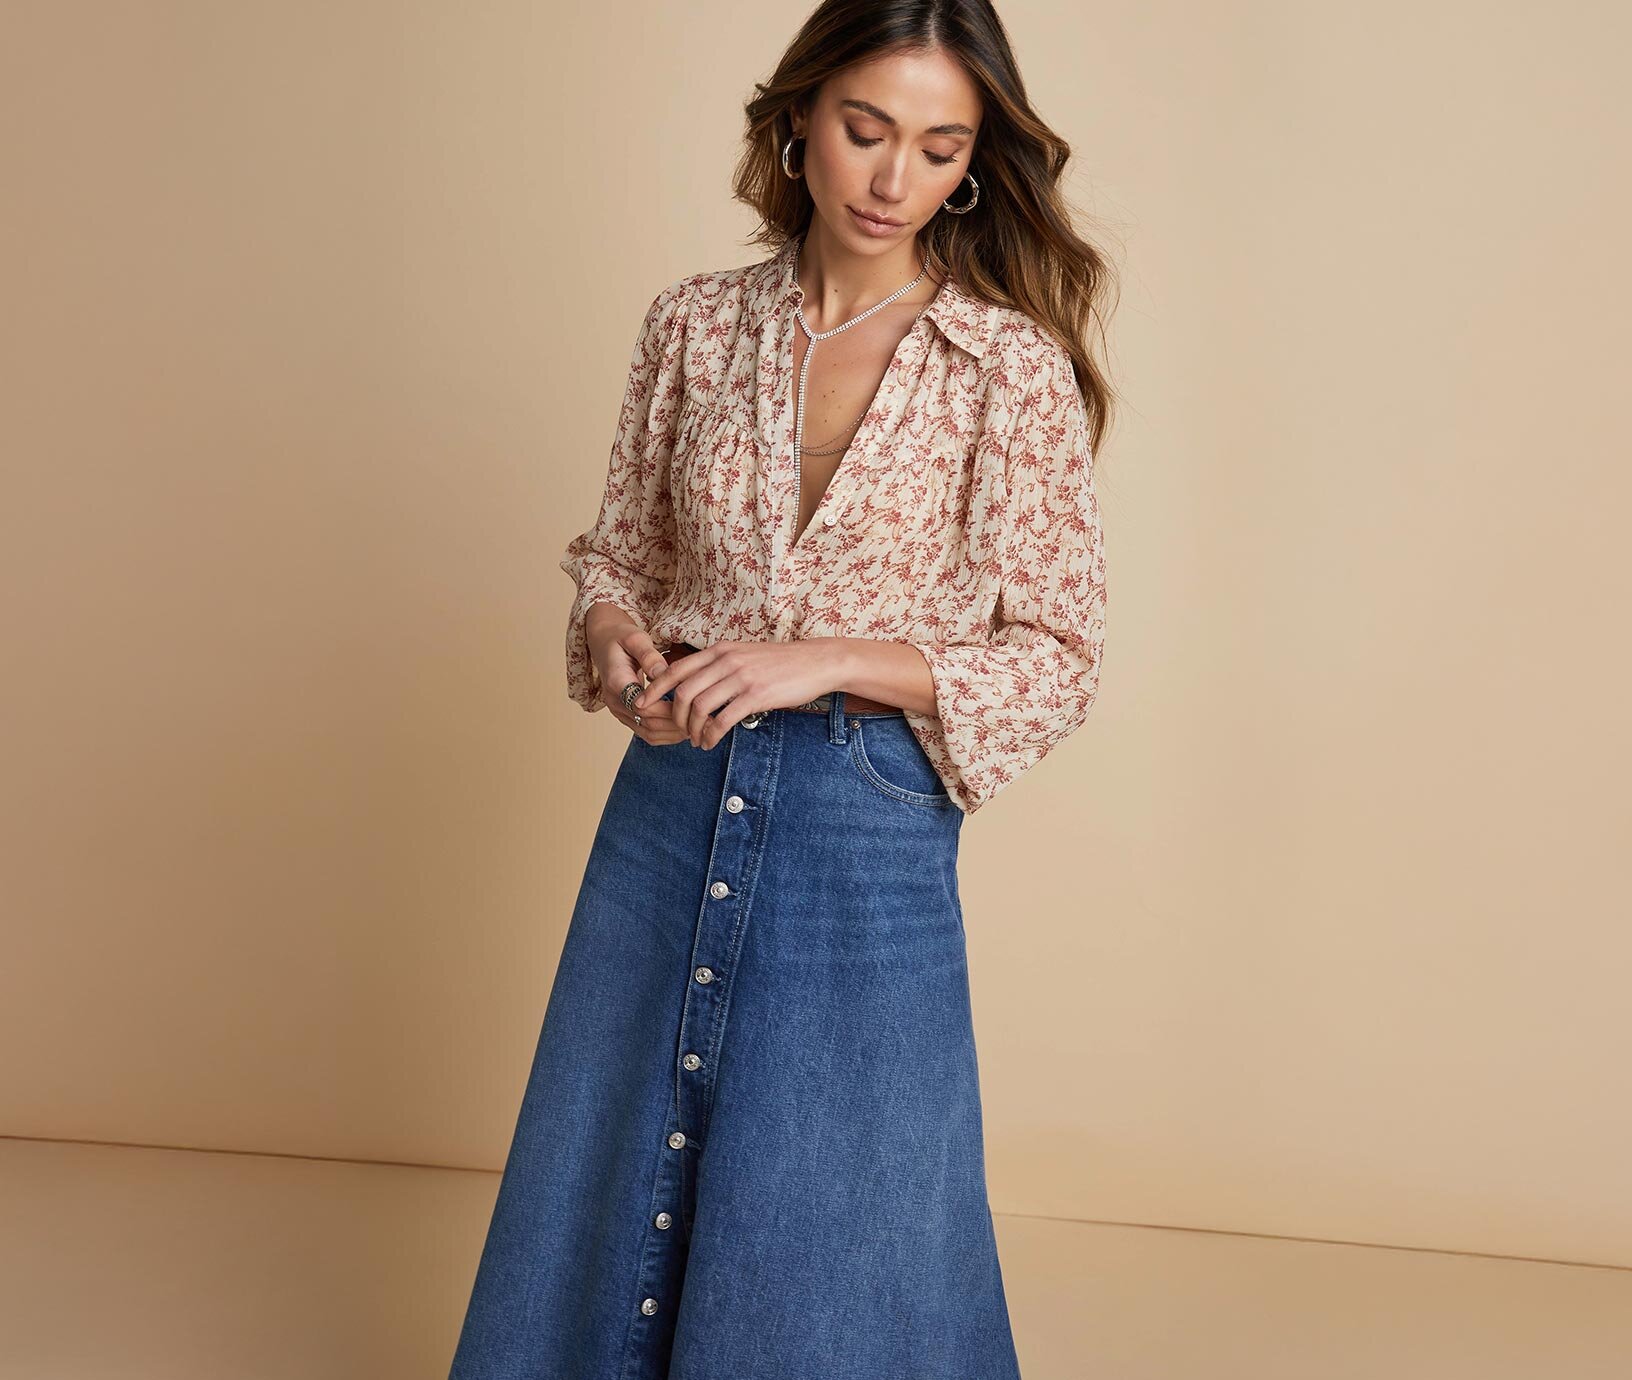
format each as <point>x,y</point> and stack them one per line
<point>877,219</point>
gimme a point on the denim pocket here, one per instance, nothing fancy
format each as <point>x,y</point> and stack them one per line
<point>888,754</point>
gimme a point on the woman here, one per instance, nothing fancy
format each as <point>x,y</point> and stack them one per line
<point>851,498</point>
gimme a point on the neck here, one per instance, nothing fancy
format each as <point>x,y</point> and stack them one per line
<point>840,283</point>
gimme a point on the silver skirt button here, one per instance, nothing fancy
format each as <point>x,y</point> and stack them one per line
<point>718,890</point>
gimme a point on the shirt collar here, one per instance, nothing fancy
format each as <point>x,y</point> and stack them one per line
<point>968,322</point>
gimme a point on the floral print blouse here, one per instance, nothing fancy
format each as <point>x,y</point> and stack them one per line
<point>962,518</point>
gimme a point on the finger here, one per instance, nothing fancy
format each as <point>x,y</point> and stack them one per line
<point>662,711</point>
<point>710,691</point>
<point>657,732</point>
<point>685,691</point>
<point>612,696</point>
<point>643,652</point>
<point>672,673</point>
<point>658,716</point>
<point>728,715</point>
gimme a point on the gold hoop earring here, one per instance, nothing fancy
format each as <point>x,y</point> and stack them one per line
<point>787,167</point>
<point>968,205</point>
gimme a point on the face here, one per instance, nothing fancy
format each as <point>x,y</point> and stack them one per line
<point>890,139</point>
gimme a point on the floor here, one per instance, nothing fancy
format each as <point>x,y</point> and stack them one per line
<point>133,1262</point>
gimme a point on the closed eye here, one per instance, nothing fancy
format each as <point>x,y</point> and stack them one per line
<point>940,160</point>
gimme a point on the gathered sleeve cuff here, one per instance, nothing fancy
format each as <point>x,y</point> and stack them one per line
<point>1004,703</point>
<point>628,557</point>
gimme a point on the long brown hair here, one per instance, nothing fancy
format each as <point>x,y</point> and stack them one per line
<point>1018,247</point>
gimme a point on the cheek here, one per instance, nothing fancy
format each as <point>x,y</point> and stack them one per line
<point>830,164</point>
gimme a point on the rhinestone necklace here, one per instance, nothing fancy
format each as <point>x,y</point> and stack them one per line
<point>804,368</point>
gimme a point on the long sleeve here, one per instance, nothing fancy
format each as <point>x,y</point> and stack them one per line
<point>1004,703</point>
<point>628,557</point>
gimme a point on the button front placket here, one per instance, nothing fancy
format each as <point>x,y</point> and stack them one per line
<point>722,920</point>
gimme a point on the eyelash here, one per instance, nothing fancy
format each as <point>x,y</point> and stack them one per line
<point>936,159</point>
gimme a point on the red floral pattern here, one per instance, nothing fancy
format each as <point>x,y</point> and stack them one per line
<point>962,519</point>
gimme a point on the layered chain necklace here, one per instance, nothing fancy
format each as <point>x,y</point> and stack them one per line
<point>804,369</point>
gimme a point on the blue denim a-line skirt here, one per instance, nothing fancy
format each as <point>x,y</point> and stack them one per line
<point>750,1144</point>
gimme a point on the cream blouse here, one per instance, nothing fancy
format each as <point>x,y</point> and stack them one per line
<point>962,518</point>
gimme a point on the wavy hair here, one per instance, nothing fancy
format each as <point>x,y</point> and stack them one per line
<point>1018,248</point>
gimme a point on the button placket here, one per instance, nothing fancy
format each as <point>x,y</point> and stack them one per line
<point>717,941</point>
<point>662,1267</point>
<point>723,916</point>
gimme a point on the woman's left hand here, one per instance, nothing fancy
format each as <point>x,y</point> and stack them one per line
<point>742,678</point>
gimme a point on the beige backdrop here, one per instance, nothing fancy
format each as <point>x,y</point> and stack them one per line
<point>316,320</point>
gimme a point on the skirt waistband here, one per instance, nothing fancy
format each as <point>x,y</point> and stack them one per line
<point>821,704</point>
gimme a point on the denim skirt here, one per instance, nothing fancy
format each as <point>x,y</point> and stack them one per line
<point>750,1144</point>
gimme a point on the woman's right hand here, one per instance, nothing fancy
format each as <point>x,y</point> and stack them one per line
<point>621,649</point>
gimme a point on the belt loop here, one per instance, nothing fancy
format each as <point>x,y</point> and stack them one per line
<point>835,718</point>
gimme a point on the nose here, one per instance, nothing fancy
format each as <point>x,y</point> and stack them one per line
<point>890,180</point>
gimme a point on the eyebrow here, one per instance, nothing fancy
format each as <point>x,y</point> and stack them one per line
<point>868,108</point>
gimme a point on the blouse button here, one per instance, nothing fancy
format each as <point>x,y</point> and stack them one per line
<point>830,520</point>
<point>734,804</point>
<point>648,1306</point>
<point>663,1220</point>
